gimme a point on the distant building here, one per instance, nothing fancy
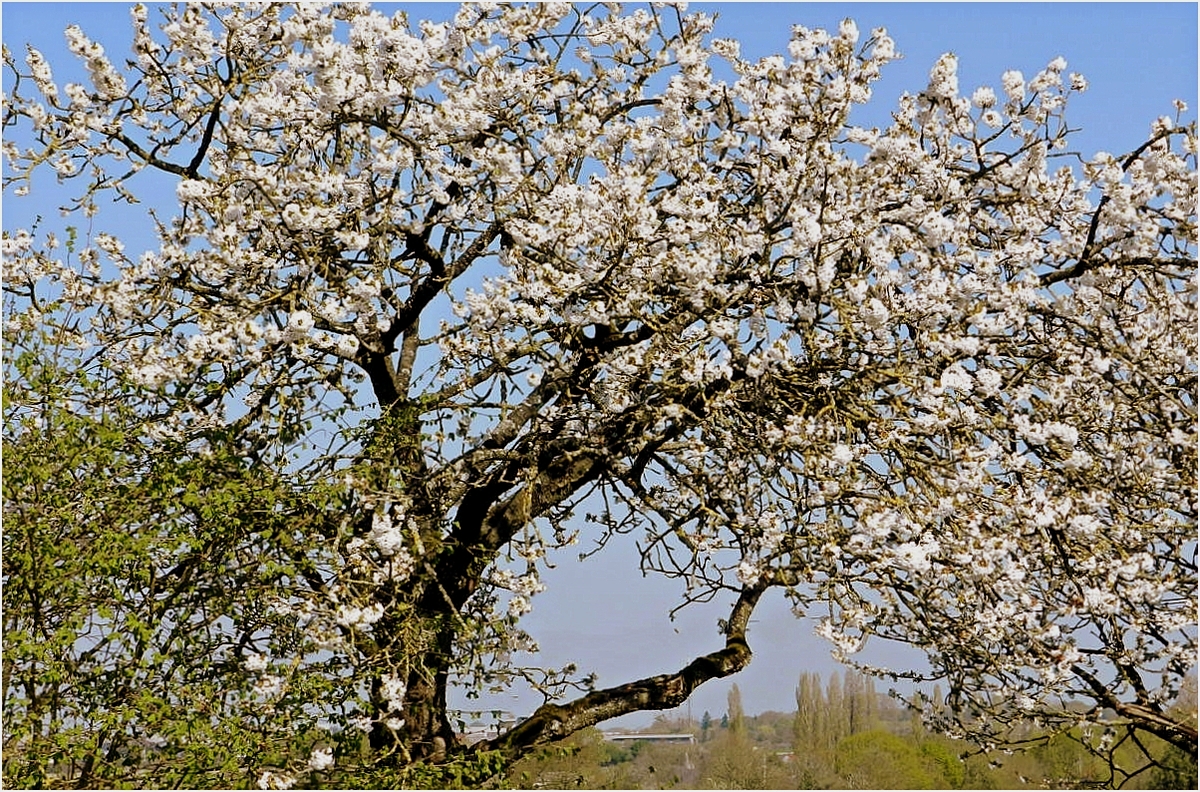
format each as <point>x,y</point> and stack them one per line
<point>683,739</point>
<point>477,732</point>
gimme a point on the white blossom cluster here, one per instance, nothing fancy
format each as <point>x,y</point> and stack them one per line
<point>268,687</point>
<point>523,587</point>
<point>392,689</point>
<point>273,780</point>
<point>931,375</point>
<point>321,759</point>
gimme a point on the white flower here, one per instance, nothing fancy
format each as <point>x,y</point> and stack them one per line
<point>989,381</point>
<point>41,73</point>
<point>729,49</point>
<point>983,98</point>
<point>756,366</point>
<point>1067,656</point>
<point>1014,84</point>
<point>321,759</point>
<point>249,331</point>
<point>749,572</point>
<point>269,780</point>
<point>353,240</point>
<point>347,345</point>
<point>398,568</point>
<point>957,378</point>
<point>943,78</point>
<point>875,314</point>
<point>1083,525</point>
<point>842,454</point>
<point>151,375</point>
<point>385,534</point>
<point>360,723</point>
<point>519,605</point>
<point>843,644</point>
<point>255,662</point>
<point>885,47</point>
<point>1064,432</point>
<point>913,557</point>
<point>848,30</point>
<point>300,323</point>
<point>1079,460</point>
<point>65,167</point>
<point>348,616</point>
<point>392,688</point>
<point>191,189</point>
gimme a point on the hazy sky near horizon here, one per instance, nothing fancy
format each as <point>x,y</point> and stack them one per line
<point>602,614</point>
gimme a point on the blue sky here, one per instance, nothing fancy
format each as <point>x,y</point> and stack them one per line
<point>603,615</point>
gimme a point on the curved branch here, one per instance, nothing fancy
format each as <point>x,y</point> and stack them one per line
<point>149,157</point>
<point>553,722</point>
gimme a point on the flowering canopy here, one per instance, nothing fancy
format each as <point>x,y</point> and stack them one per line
<point>932,376</point>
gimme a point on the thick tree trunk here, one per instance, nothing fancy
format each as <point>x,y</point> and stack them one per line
<point>426,726</point>
<point>487,516</point>
<point>426,733</point>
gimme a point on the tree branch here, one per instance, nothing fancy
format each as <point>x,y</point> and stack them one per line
<point>193,167</point>
<point>1177,732</point>
<point>1086,260</point>
<point>553,722</point>
<point>1084,265</point>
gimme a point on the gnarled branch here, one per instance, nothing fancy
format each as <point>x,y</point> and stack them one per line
<point>553,722</point>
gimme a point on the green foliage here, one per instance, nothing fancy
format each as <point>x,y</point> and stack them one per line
<point>1064,761</point>
<point>882,760</point>
<point>1177,770</point>
<point>940,754</point>
<point>787,751</point>
<point>471,770</point>
<point>586,760</point>
<point>138,578</point>
<point>737,715</point>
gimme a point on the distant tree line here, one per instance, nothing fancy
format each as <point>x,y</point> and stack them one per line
<point>844,734</point>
